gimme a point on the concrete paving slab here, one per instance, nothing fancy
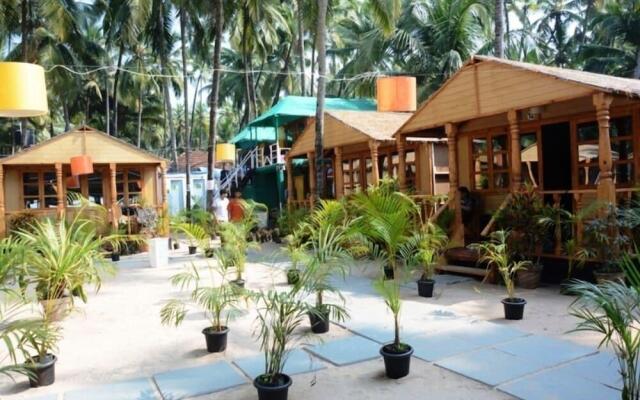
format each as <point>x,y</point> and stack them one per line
<point>602,367</point>
<point>134,389</point>
<point>346,351</point>
<point>545,351</point>
<point>196,381</point>
<point>298,362</point>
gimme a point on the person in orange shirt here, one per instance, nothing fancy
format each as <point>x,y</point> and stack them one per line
<point>236,207</point>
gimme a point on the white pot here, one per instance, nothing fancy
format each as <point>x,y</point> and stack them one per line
<point>158,252</point>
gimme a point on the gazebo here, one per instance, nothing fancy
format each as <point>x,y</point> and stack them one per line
<point>38,179</point>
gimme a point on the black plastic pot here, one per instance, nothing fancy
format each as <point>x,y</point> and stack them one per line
<point>44,371</point>
<point>388,273</point>
<point>513,308</point>
<point>193,249</point>
<point>293,276</point>
<point>273,391</point>
<point>115,257</point>
<point>425,287</point>
<point>238,282</point>
<point>396,364</point>
<point>216,340</point>
<point>319,323</point>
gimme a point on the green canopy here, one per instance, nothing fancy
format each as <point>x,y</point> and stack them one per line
<point>291,108</point>
<point>251,135</point>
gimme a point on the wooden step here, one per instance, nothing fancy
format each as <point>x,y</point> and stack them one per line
<point>459,269</point>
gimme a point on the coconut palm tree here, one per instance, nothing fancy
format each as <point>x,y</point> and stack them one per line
<point>322,70</point>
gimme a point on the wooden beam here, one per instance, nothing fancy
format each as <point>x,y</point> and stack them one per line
<point>516,164</point>
<point>606,186</point>
<point>402,166</point>
<point>311,162</point>
<point>3,227</point>
<point>60,191</point>
<point>338,173</point>
<point>114,196</point>
<point>452,141</point>
<point>290,189</point>
<point>375,173</point>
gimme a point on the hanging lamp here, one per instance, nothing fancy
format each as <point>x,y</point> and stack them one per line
<point>225,153</point>
<point>23,92</point>
<point>82,164</point>
<point>73,182</point>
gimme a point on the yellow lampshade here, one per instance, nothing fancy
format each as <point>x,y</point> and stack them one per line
<point>23,92</point>
<point>225,153</point>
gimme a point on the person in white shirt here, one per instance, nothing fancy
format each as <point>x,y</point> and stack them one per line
<point>220,207</point>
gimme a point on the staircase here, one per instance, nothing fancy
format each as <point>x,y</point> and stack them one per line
<point>243,170</point>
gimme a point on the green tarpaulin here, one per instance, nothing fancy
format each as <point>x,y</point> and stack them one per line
<point>291,108</point>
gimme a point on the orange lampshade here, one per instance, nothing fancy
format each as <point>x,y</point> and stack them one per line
<point>396,93</point>
<point>81,165</point>
<point>73,182</point>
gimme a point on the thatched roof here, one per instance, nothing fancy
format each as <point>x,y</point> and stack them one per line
<point>488,86</point>
<point>606,83</point>
<point>343,128</point>
<point>377,125</point>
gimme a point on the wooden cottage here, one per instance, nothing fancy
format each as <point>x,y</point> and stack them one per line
<point>361,148</point>
<point>571,134</point>
<point>36,179</point>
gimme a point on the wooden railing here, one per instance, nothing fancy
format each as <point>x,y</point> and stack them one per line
<point>295,204</point>
<point>489,227</point>
<point>431,206</point>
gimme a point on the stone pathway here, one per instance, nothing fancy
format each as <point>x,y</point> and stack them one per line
<point>529,367</point>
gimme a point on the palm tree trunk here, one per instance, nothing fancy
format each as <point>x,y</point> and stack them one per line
<point>193,103</point>
<point>115,90</point>
<point>247,67</point>
<point>636,70</point>
<point>322,68</point>
<point>106,101</point>
<point>140,118</point>
<point>282,77</point>
<point>215,88</point>
<point>301,46</point>
<point>65,113</point>
<point>24,26</point>
<point>185,96</point>
<point>499,28</point>
<point>313,63</point>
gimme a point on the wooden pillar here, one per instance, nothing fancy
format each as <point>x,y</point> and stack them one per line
<point>338,177</point>
<point>60,191</point>
<point>290,189</point>
<point>606,186</point>
<point>402,167</point>
<point>516,163</point>
<point>452,141</point>
<point>426,168</point>
<point>311,159</point>
<point>114,195</point>
<point>164,215</point>
<point>3,227</point>
<point>375,173</point>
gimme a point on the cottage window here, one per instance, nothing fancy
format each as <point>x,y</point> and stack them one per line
<point>129,186</point>
<point>490,161</point>
<point>621,136</point>
<point>39,189</point>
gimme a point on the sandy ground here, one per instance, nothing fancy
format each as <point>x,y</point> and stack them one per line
<point>117,335</point>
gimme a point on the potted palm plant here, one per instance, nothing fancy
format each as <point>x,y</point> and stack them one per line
<point>39,345</point>
<point>196,235</point>
<point>219,300</point>
<point>431,246</point>
<point>294,250</point>
<point>495,254</point>
<point>612,309</point>
<point>235,244</point>
<point>63,257</point>
<point>388,220</point>
<point>280,314</point>
<point>325,256</point>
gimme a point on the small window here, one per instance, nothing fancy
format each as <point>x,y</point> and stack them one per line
<point>490,161</point>
<point>129,186</point>
<point>39,189</point>
<point>621,136</point>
